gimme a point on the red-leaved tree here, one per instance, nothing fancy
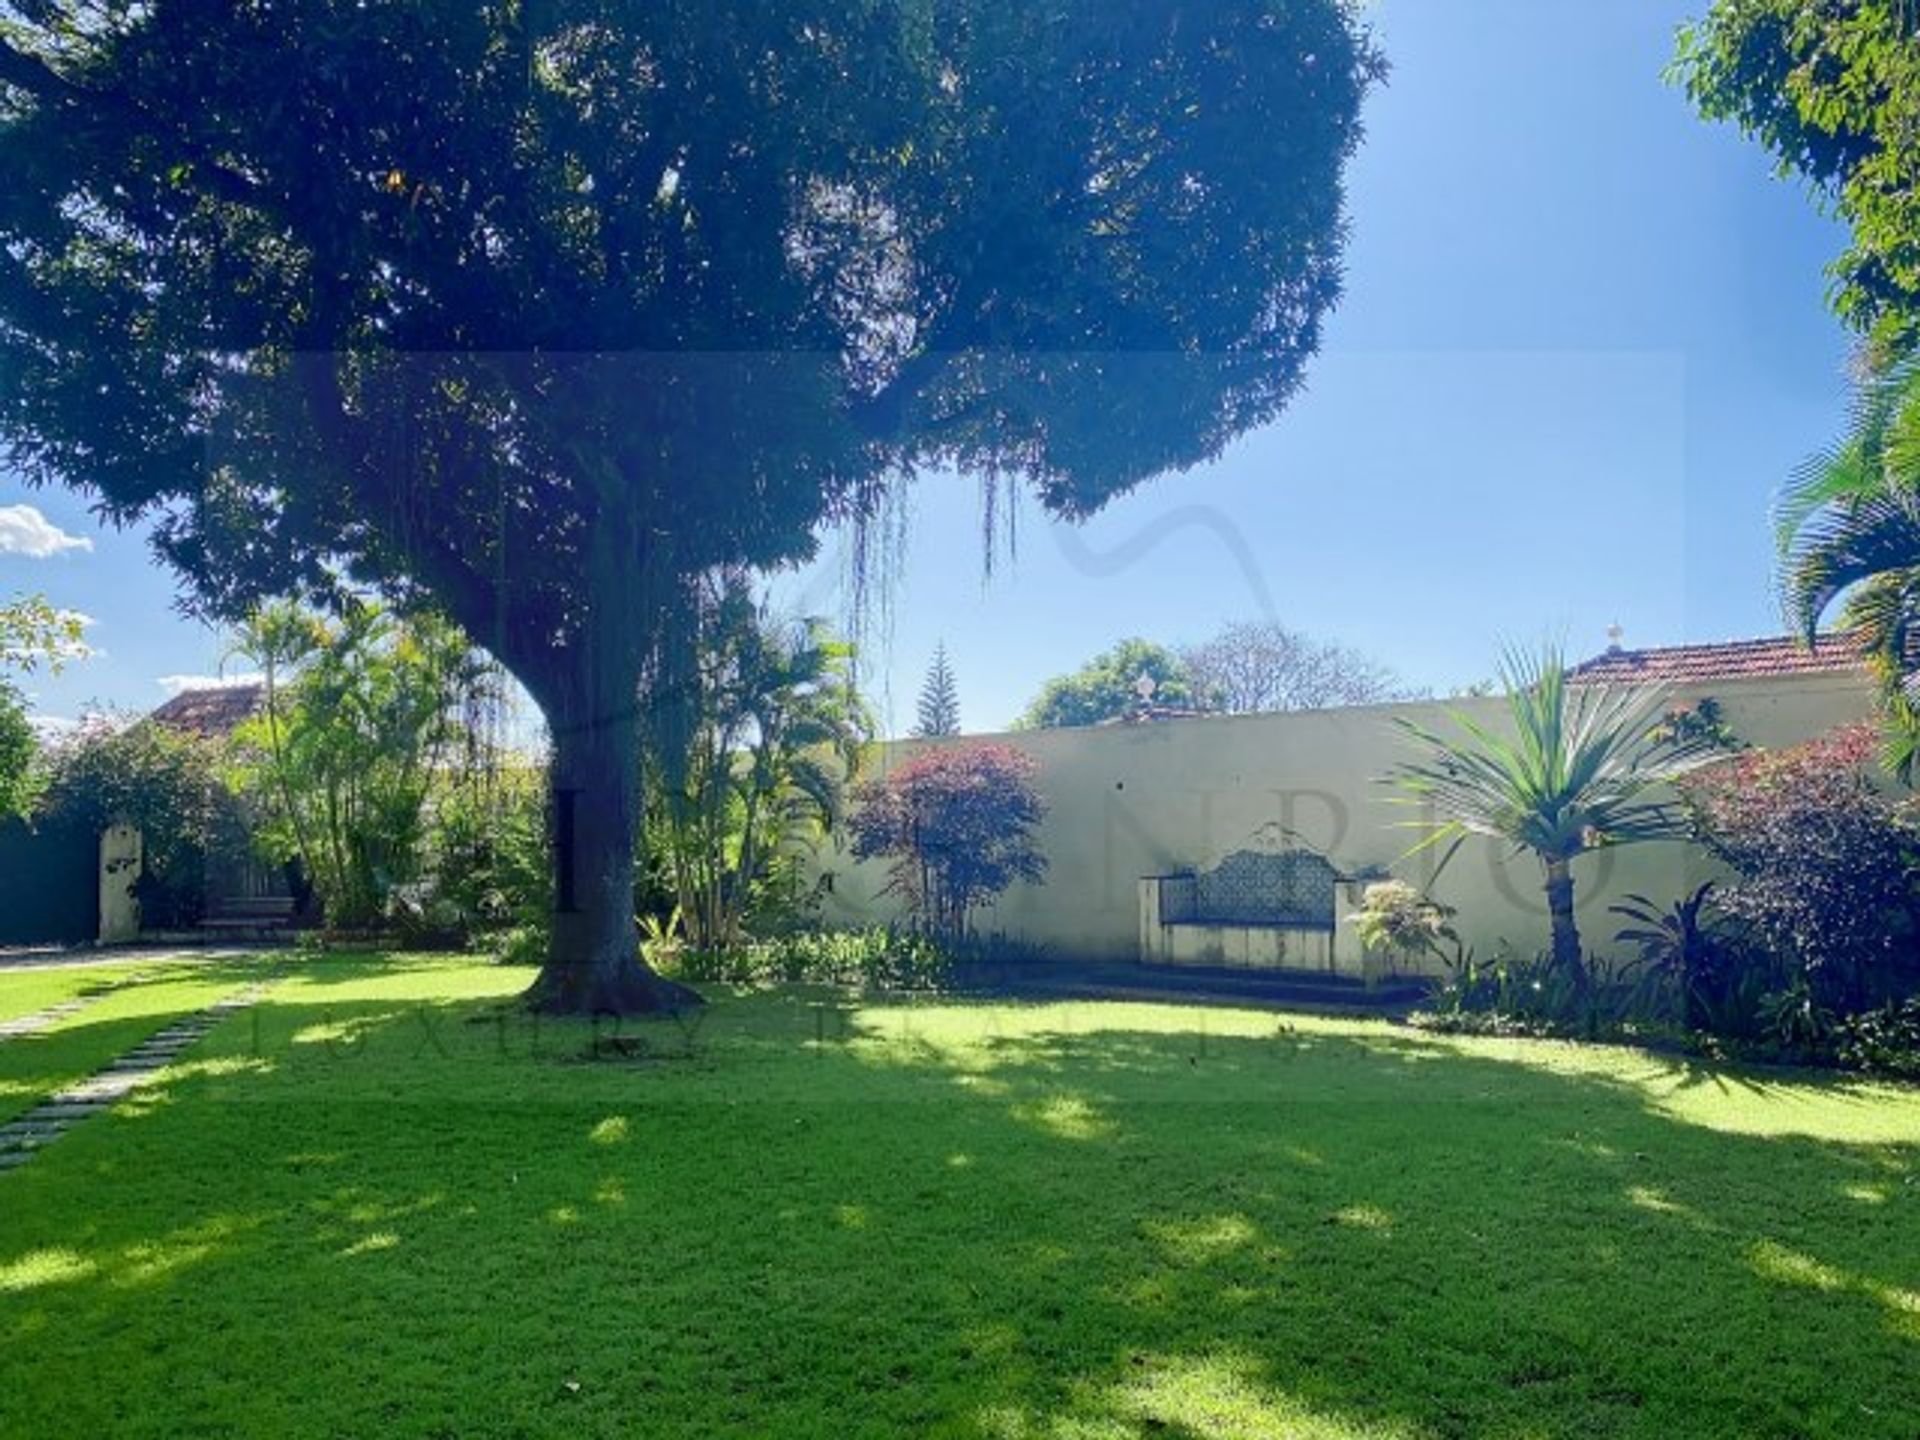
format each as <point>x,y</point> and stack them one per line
<point>1826,862</point>
<point>958,824</point>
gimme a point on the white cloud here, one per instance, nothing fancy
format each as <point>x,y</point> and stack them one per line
<point>25,531</point>
<point>175,684</point>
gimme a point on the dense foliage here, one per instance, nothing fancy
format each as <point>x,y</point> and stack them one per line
<point>1809,952</point>
<point>1108,687</point>
<point>549,310</point>
<point>361,716</point>
<point>957,822</point>
<point>1827,867</point>
<point>486,864</point>
<point>1832,88</point>
<point>876,959</point>
<point>32,634</point>
<point>757,749</point>
<point>18,749</point>
<point>166,783</point>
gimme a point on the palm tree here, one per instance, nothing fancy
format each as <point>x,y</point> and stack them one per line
<point>1848,524</point>
<point>1573,775</point>
<point>756,764</point>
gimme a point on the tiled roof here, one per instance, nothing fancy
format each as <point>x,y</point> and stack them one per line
<point>1728,660</point>
<point>212,713</point>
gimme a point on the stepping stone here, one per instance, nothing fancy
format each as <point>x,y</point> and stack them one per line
<point>103,1088</point>
<point>64,1108</point>
<point>38,1135</point>
<point>13,1159</point>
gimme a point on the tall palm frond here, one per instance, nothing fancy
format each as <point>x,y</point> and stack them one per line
<point>1576,768</point>
<point>1572,772</point>
<point>1848,529</point>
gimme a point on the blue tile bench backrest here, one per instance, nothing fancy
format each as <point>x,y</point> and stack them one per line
<point>1294,889</point>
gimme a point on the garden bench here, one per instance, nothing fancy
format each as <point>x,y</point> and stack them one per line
<point>1269,909</point>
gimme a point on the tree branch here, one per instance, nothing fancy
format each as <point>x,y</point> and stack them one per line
<point>32,74</point>
<point>28,72</point>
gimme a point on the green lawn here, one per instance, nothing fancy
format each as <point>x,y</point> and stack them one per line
<point>147,996</point>
<point>381,1206</point>
<point>35,987</point>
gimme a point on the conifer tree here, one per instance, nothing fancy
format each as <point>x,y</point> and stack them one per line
<point>939,700</point>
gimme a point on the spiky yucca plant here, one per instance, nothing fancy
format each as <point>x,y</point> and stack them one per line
<point>1573,770</point>
<point>1848,525</point>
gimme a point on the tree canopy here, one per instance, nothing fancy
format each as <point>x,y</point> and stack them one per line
<point>958,823</point>
<point>1257,666</point>
<point>1832,88</point>
<point>1107,687</point>
<point>32,634</point>
<point>547,310</point>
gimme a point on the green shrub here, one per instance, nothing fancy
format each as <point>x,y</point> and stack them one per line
<point>868,959</point>
<point>521,945</point>
<point>1884,1041</point>
<point>1687,961</point>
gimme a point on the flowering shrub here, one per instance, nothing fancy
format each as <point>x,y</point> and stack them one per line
<point>1397,919</point>
<point>1826,863</point>
<point>958,823</point>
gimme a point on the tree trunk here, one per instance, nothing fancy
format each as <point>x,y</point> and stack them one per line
<point>1566,931</point>
<point>593,961</point>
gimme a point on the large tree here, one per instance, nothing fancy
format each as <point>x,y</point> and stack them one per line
<point>1256,666</point>
<point>548,309</point>
<point>1110,687</point>
<point>1832,88</point>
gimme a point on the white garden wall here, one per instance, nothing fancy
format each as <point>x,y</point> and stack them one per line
<point>1130,800</point>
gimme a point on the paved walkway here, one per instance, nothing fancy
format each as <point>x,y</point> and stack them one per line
<point>23,1138</point>
<point>55,958</point>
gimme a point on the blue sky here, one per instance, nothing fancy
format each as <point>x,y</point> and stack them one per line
<point>1583,339</point>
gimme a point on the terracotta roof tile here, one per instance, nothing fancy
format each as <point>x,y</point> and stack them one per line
<point>1727,660</point>
<point>212,713</point>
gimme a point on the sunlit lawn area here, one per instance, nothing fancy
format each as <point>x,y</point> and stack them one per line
<point>146,996</point>
<point>31,988</point>
<point>380,1205</point>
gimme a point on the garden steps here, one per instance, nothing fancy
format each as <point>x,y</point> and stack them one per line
<point>25,1136</point>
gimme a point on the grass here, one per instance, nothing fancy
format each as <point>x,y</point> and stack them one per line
<point>386,1204</point>
<point>32,988</point>
<point>143,999</point>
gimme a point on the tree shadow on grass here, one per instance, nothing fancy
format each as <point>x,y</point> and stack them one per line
<point>1008,1221</point>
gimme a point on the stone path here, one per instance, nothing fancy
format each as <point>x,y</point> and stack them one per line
<point>22,1026</point>
<point>21,1139</point>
